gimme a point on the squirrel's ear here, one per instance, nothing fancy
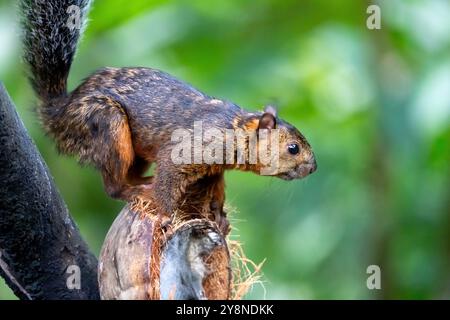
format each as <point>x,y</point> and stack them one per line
<point>268,119</point>
<point>271,109</point>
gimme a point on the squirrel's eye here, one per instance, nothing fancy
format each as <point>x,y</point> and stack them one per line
<point>293,148</point>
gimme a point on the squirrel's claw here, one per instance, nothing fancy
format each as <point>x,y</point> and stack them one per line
<point>167,223</point>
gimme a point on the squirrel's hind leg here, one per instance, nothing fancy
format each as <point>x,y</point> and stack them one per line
<point>122,170</point>
<point>127,185</point>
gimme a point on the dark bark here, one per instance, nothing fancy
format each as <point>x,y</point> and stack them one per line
<point>38,238</point>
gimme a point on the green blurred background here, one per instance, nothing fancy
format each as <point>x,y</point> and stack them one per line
<point>374,104</point>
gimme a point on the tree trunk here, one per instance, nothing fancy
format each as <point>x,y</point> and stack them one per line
<point>38,238</point>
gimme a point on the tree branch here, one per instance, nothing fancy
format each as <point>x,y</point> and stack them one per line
<point>38,238</point>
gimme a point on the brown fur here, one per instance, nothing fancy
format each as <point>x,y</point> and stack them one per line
<point>121,121</point>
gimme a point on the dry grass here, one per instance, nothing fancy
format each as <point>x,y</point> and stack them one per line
<point>245,273</point>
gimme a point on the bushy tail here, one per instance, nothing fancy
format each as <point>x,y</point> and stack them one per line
<point>51,30</point>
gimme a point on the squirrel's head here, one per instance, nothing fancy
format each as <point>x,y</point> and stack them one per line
<point>292,157</point>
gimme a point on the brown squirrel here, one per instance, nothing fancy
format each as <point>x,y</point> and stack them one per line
<point>121,119</point>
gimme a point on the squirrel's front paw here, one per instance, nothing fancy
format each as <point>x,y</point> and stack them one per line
<point>220,217</point>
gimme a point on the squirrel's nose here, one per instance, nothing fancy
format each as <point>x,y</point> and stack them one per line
<point>313,164</point>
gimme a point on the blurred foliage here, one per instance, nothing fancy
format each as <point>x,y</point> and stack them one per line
<point>375,105</point>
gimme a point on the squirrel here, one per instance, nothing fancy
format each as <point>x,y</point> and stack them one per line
<point>121,120</point>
